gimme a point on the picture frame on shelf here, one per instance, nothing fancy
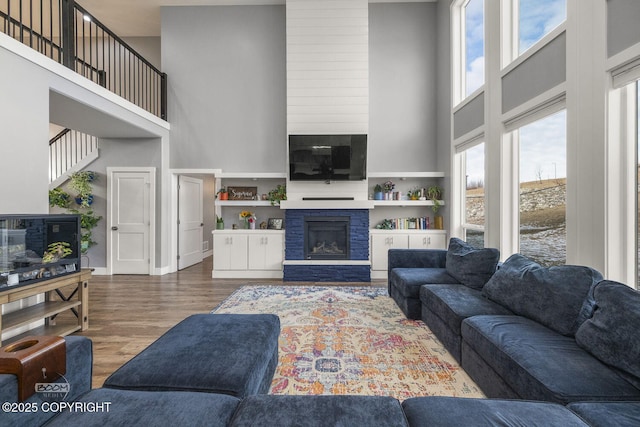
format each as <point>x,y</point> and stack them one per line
<point>274,224</point>
<point>242,193</point>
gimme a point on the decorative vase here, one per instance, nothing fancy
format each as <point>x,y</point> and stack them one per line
<point>438,222</point>
<point>252,225</point>
<point>388,196</point>
<point>219,225</point>
<point>224,196</point>
<point>378,196</point>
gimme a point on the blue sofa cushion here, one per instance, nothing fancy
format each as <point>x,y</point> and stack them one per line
<point>540,364</point>
<point>148,408</point>
<point>454,303</point>
<point>471,266</point>
<point>553,296</point>
<point>233,354</point>
<point>612,334</point>
<point>409,280</point>
<point>79,360</point>
<point>455,412</point>
<point>318,411</point>
<point>607,414</point>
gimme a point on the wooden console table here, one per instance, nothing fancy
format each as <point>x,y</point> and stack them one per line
<point>56,302</point>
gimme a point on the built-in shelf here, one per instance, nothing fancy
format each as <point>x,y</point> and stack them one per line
<point>243,203</point>
<point>405,175</point>
<point>404,203</point>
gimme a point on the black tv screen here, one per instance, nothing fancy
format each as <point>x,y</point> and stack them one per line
<point>327,157</point>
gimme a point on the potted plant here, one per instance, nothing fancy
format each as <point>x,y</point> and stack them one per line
<point>80,182</point>
<point>58,197</point>
<point>388,187</point>
<point>223,194</point>
<point>414,194</point>
<point>377,192</point>
<point>219,223</point>
<point>278,194</point>
<point>434,193</point>
<point>88,221</point>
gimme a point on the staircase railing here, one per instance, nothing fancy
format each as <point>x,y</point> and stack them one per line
<point>68,149</point>
<point>70,35</point>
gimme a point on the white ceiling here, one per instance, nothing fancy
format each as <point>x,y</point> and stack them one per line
<point>141,18</point>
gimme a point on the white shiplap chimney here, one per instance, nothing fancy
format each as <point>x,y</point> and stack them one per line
<point>327,66</point>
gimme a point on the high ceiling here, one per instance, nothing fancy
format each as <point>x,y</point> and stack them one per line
<point>141,18</point>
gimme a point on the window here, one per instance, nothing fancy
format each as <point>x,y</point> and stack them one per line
<point>536,18</point>
<point>467,38</point>
<point>474,200</point>
<point>473,12</point>
<point>542,189</point>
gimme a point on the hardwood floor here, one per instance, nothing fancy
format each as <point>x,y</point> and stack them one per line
<point>129,312</point>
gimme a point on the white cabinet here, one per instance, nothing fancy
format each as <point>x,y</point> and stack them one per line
<point>266,251</point>
<point>229,251</point>
<point>383,240</point>
<point>248,254</point>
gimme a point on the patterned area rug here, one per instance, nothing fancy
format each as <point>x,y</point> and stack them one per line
<point>351,340</point>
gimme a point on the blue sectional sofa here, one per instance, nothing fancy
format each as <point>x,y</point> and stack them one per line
<point>409,269</point>
<point>539,337</point>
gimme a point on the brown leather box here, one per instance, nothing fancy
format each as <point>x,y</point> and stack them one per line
<point>34,359</point>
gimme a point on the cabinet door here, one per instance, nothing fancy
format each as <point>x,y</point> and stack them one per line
<point>229,252</point>
<point>265,252</point>
<point>380,245</point>
<point>428,241</point>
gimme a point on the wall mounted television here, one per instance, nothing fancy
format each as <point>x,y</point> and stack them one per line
<point>38,247</point>
<point>327,157</point>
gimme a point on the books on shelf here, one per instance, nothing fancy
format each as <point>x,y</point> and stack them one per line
<point>422,223</point>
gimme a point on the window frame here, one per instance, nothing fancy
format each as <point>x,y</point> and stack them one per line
<point>459,49</point>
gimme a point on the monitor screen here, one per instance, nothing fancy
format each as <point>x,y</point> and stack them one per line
<point>327,157</point>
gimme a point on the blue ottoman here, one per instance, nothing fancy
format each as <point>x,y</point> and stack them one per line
<point>455,412</point>
<point>318,411</point>
<point>108,407</point>
<point>234,354</point>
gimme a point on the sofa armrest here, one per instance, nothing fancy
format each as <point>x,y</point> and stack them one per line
<point>417,258</point>
<point>79,360</point>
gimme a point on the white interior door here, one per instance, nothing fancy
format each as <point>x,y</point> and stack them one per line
<point>130,222</point>
<point>190,221</point>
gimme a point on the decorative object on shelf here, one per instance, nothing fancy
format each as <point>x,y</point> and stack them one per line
<point>388,187</point>
<point>434,193</point>
<point>414,194</point>
<point>275,224</point>
<point>60,198</point>
<point>81,182</point>
<point>377,192</point>
<point>223,194</point>
<point>263,225</point>
<point>249,219</point>
<point>243,193</point>
<point>219,223</point>
<point>278,194</point>
<point>386,224</point>
<point>397,195</point>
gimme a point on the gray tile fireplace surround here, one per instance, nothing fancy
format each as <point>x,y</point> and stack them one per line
<point>354,269</point>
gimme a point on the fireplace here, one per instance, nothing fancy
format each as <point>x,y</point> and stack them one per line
<point>326,237</point>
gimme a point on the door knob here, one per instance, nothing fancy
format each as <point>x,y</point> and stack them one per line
<point>114,228</point>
